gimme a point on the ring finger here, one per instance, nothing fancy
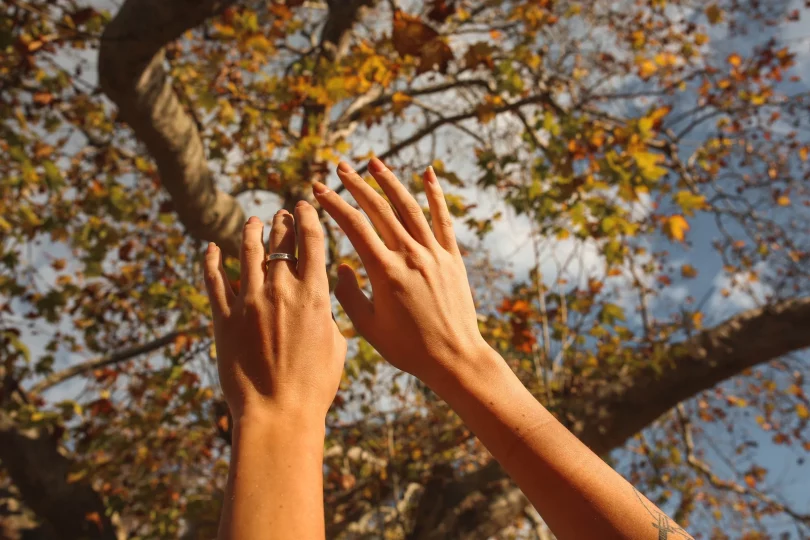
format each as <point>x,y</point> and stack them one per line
<point>282,240</point>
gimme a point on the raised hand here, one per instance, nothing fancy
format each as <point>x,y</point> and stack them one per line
<point>421,317</point>
<point>278,350</point>
<point>422,320</point>
<point>280,357</point>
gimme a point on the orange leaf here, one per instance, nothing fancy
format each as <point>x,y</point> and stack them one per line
<point>735,60</point>
<point>688,271</point>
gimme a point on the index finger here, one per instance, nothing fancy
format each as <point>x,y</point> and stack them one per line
<point>357,228</point>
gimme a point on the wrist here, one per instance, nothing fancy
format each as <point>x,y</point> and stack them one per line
<point>295,423</point>
<point>475,362</point>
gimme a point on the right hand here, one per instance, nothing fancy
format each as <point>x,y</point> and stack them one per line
<point>279,353</point>
<point>422,317</point>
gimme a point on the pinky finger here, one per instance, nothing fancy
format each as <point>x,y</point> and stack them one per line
<point>216,282</point>
<point>440,215</point>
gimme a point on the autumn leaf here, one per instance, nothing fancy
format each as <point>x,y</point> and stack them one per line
<point>441,10</point>
<point>43,98</point>
<point>714,14</point>
<point>647,163</point>
<point>646,68</point>
<point>436,56</point>
<point>734,59</point>
<point>689,202</point>
<point>675,228</point>
<point>479,54</point>
<point>410,34</point>
<point>413,37</point>
<point>688,271</point>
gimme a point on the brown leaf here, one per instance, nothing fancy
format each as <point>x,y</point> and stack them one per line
<point>413,37</point>
<point>411,34</point>
<point>441,10</point>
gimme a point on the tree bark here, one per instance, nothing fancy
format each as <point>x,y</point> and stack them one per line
<point>615,412</point>
<point>39,470</point>
<point>132,74</point>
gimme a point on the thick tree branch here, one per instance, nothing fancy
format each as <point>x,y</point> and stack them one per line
<point>123,355</point>
<point>132,74</point>
<point>39,470</point>
<point>745,340</point>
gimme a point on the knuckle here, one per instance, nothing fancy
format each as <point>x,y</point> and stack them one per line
<point>383,207</point>
<point>411,208</point>
<point>357,220</point>
<point>311,230</point>
<point>252,248</point>
<point>252,305</point>
<point>445,221</point>
<point>277,291</point>
<point>317,298</point>
<point>415,260</point>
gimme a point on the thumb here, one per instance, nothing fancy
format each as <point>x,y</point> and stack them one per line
<point>354,301</point>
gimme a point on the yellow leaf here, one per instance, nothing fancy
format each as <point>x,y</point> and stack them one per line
<point>697,320</point>
<point>784,200</point>
<point>646,68</point>
<point>647,163</point>
<point>400,100</point>
<point>804,152</point>
<point>802,411</point>
<point>675,227</point>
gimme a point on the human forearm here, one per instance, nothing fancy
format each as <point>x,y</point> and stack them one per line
<point>275,483</point>
<point>279,358</point>
<point>578,494</point>
<point>422,319</point>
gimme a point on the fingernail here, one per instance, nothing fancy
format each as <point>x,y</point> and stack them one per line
<point>301,203</point>
<point>375,165</point>
<point>431,174</point>
<point>253,219</point>
<point>345,167</point>
<point>319,189</point>
<point>343,271</point>
<point>211,247</point>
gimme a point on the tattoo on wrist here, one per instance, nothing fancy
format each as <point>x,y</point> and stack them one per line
<point>661,522</point>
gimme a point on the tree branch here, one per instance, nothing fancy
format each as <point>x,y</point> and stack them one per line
<point>747,339</point>
<point>132,74</point>
<point>123,355</point>
<point>433,126</point>
<point>39,470</point>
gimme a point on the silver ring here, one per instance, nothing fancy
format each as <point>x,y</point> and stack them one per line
<point>281,257</point>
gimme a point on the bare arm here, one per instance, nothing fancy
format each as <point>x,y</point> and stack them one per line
<point>280,357</point>
<point>422,319</point>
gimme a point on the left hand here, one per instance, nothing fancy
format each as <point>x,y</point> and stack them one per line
<point>279,352</point>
